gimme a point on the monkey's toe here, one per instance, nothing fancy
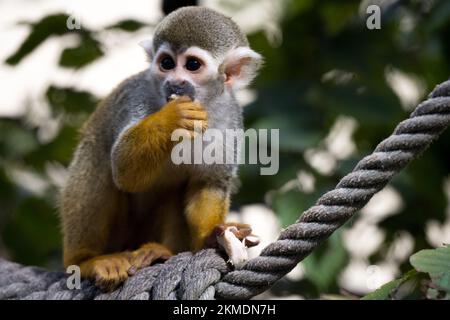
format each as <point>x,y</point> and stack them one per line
<point>108,271</point>
<point>147,255</point>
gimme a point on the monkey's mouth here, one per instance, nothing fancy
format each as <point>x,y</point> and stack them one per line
<point>179,89</point>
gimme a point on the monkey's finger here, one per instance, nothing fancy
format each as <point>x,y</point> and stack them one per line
<point>239,225</point>
<point>132,270</point>
<point>183,99</point>
<point>240,230</point>
<point>149,259</point>
<point>251,241</point>
<point>123,269</point>
<point>193,124</point>
<point>144,261</point>
<point>155,254</point>
<point>122,273</point>
<point>162,254</point>
<point>103,280</point>
<point>136,263</point>
<point>194,115</point>
<point>195,106</point>
<point>99,272</point>
<point>118,273</point>
<point>242,233</point>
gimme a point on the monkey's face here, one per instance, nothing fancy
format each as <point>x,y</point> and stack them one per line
<point>196,73</point>
<point>188,72</point>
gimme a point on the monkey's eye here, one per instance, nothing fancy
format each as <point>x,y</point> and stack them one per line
<point>193,64</point>
<point>167,63</point>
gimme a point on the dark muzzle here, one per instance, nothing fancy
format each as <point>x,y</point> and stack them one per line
<point>183,88</point>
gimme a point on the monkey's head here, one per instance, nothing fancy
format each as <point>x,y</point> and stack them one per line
<point>200,53</point>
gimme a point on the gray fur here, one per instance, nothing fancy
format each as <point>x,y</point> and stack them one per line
<point>199,26</point>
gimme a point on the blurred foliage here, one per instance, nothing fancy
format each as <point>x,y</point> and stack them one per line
<point>324,64</point>
<point>430,278</point>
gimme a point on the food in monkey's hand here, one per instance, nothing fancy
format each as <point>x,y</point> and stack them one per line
<point>235,244</point>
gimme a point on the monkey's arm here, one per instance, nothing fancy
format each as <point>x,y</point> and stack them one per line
<point>141,150</point>
<point>206,208</point>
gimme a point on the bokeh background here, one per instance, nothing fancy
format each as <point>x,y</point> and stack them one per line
<point>332,87</point>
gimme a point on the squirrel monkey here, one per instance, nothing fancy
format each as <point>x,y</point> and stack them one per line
<point>126,204</point>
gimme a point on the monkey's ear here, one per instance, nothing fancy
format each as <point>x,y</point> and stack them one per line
<point>240,66</point>
<point>147,45</point>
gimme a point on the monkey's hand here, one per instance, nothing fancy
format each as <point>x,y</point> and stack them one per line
<point>140,152</point>
<point>183,113</point>
<point>234,238</point>
<point>108,271</point>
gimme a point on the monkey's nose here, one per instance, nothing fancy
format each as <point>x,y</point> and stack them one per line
<point>179,88</point>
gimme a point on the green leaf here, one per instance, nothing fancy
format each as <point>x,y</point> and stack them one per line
<point>443,281</point>
<point>87,51</point>
<point>435,262</point>
<point>432,261</point>
<point>70,100</point>
<point>385,291</point>
<point>129,25</point>
<point>49,26</point>
<point>60,149</point>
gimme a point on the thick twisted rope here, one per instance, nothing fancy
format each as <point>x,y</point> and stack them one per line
<point>206,275</point>
<point>411,137</point>
<point>185,276</point>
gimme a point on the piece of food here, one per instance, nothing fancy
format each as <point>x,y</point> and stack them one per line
<point>173,96</point>
<point>236,249</point>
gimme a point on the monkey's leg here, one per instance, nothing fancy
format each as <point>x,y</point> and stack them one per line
<point>141,151</point>
<point>164,234</point>
<point>93,214</point>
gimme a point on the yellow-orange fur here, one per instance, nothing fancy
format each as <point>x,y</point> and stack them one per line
<point>206,208</point>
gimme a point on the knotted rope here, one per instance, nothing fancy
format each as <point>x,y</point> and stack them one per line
<point>206,275</point>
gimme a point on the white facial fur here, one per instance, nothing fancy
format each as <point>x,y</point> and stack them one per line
<point>208,69</point>
<point>238,66</point>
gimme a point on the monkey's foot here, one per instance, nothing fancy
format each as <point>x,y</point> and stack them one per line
<point>146,255</point>
<point>108,271</point>
<point>234,238</point>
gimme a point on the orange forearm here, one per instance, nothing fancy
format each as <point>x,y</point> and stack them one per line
<point>206,208</point>
<point>141,151</point>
